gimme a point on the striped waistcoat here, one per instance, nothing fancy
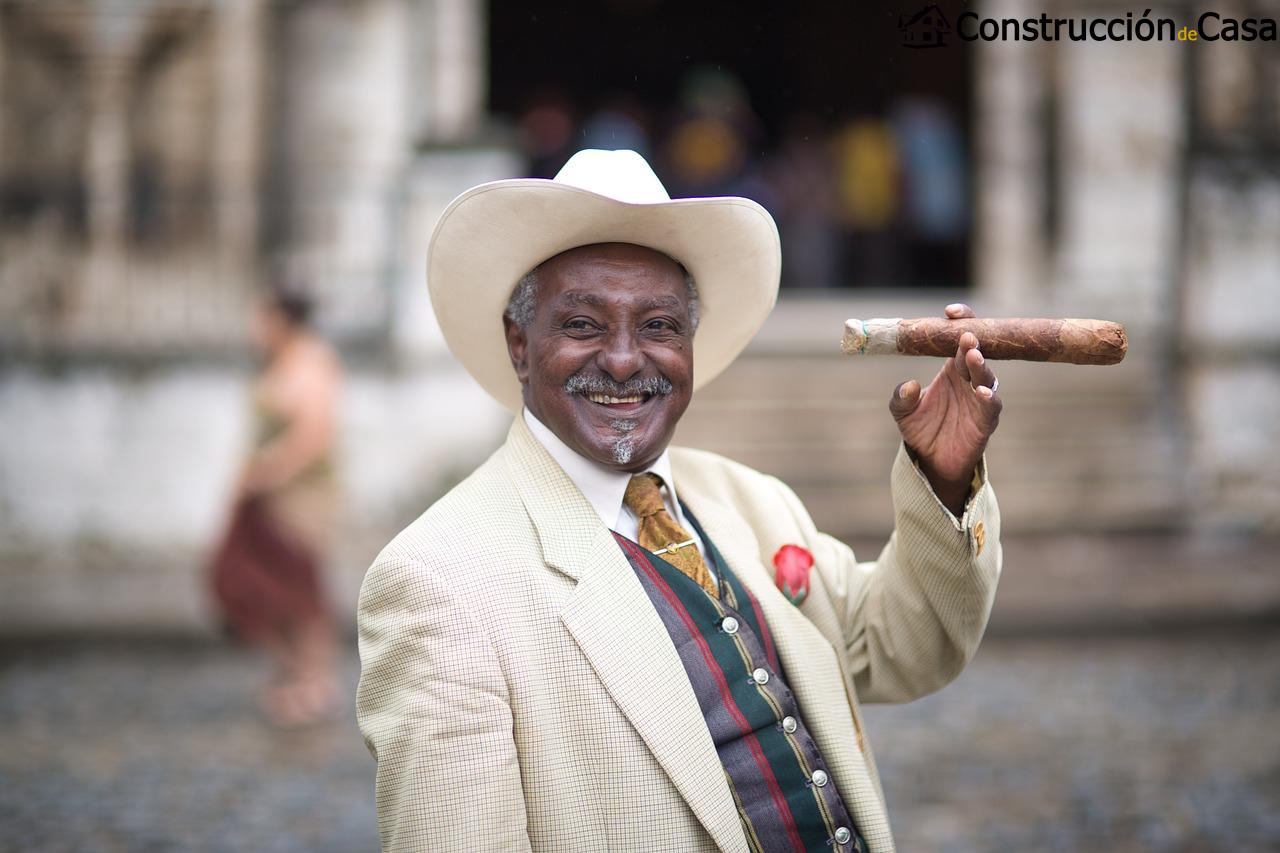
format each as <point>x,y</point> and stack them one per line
<point>785,797</point>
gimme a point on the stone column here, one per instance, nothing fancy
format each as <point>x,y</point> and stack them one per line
<point>114,30</point>
<point>452,70</point>
<point>3,100</point>
<point>239,75</point>
<point>107,157</point>
<point>113,37</point>
<point>1009,89</point>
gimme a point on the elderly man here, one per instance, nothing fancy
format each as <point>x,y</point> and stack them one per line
<point>598,642</point>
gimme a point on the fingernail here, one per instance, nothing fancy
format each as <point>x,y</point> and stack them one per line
<point>984,391</point>
<point>954,306</point>
<point>981,360</point>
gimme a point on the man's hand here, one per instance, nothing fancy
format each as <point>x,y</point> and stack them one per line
<point>946,426</point>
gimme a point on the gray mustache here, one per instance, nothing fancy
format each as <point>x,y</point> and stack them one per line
<point>652,386</point>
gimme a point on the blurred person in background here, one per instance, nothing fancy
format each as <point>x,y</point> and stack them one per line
<point>620,122</point>
<point>708,147</point>
<point>547,132</point>
<point>868,181</point>
<point>807,201</point>
<point>935,200</point>
<point>267,571</point>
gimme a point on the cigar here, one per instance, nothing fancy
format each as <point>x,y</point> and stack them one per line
<point>1021,338</point>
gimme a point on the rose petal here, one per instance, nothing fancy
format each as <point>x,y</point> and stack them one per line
<point>791,571</point>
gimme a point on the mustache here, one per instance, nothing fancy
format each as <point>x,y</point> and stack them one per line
<point>651,386</point>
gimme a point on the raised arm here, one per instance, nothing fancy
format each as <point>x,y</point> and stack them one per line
<point>913,618</point>
<point>910,620</point>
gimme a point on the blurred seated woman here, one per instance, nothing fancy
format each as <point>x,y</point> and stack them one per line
<point>267,572</point>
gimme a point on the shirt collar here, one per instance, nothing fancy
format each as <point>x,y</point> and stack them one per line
<point>602,487</point>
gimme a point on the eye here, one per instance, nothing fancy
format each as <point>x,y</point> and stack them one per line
<point>579,324</point>
<point>660,325</point>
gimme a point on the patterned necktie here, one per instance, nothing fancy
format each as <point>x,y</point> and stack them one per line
<point>660,532</point>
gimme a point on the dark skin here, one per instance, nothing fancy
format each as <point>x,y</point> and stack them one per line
<point>618,313</point>
<point>946,425</point>
<point>613,312</point>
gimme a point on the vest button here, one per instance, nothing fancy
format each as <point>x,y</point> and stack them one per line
<point>729,625</point>
<point>819,778</point>
<point>842,835</point>
<point>760,676</point>
<point>788,724</point>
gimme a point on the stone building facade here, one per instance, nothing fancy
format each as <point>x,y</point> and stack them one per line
<point>160,159</point>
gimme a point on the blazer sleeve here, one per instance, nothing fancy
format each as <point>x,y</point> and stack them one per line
<point>434,711</point>
<point>913,618</point>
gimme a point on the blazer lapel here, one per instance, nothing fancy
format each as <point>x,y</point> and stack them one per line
<point>813,670</point>
<point>614,624</point>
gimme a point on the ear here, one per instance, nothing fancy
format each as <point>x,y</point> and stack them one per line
<point>517,348</point>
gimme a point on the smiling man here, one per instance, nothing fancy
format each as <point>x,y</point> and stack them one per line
<point>599,642</point>
<point>607,361</point>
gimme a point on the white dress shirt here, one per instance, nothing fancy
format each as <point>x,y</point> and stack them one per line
<point>604,488</point>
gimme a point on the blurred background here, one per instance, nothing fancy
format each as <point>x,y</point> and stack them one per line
<point>162,160</point>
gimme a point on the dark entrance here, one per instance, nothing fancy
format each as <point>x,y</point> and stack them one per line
<point>854,138</point>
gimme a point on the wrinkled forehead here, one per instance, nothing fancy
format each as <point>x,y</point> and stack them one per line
<point>612,273</point>
<point>619,256</point>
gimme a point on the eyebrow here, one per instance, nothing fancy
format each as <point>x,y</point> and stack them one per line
<point>582,297</point>
<point>661,302</point>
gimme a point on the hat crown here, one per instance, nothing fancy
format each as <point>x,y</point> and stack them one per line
<point>622,175</point>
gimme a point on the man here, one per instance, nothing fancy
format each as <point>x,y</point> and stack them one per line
<point>584,646</point>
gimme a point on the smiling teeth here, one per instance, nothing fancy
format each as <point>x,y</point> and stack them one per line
<point>613,401</point>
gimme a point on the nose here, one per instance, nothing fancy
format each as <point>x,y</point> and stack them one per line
<point>621,357</point>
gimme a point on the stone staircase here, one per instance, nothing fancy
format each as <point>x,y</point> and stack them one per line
<point>1077,447</point>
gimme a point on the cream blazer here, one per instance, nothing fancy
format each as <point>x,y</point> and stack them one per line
<point>519,692</point>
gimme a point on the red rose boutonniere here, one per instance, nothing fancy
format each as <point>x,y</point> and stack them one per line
<point>791,572</point>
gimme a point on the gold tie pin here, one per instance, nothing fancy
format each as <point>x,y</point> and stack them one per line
<point>672,547</point>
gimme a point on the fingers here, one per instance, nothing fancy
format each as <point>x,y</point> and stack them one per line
<point>991,405</point>
<point>972,366</point>
<point>968,343</point>
<point>905,399</point>
<point>984,384</point>
<point>980,373</point>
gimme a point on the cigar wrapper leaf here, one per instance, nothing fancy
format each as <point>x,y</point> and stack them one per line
<point>1067,341</point>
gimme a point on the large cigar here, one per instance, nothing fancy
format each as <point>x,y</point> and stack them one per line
<point>1026,339</point>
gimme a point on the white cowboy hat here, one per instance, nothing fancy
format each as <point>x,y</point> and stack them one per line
<point>492,234</point>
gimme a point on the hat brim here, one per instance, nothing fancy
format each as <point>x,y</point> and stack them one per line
<point>491,235</point>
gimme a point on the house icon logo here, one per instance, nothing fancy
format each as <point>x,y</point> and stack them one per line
<point>926,28</point>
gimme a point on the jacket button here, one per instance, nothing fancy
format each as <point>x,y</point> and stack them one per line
<point>842,835</point>
<point>819,778</point>
<point>760,676</point>
<point>789,724</point>
<point>729,625</point>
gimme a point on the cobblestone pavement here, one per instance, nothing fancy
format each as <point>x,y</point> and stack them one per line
<point>1112,744</point>
<point>127,748</point>
<point>1120,744</point>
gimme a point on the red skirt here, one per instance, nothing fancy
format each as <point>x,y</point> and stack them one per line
<point>265,579</point>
